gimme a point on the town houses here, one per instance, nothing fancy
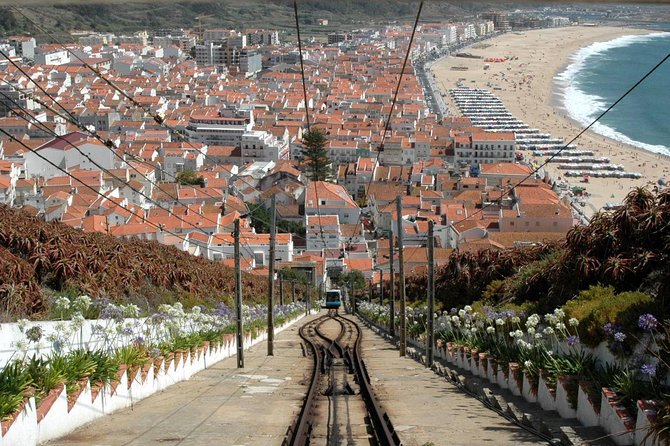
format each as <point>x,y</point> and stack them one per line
<point>156,145</point>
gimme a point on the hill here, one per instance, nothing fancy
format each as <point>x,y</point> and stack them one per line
<point>61,17</point>
<point>39,260</point>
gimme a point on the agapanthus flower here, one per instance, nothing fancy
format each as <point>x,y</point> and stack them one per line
<point>619,336</point>
<point>572,340</point>
<point>608,329</point>
<point>648,370</point>
<point>647,322</point>
<point>34,334</point>
<point>573,322</point>
<point>490,330</point>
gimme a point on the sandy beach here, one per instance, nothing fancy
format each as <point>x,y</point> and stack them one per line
<point>528,90</point>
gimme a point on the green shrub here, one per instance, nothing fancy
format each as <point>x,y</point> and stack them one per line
<point>599,305</point>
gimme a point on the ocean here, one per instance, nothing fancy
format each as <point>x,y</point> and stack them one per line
<point>599,74</point>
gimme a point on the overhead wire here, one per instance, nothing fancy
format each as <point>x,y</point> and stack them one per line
<point>97,192</point>
<point>103,169</point>
<point>388,119</point>
<point>566,145</point>
<point>108,143</point>
<point>171,212</point>
<point>304,90</point>
<point>34,120</point>
<point>158,119</point>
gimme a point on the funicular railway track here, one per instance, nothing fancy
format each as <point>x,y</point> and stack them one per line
<point>340,407</point>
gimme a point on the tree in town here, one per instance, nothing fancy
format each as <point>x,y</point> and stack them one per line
<point>315,155</point>
<point>190,178</point>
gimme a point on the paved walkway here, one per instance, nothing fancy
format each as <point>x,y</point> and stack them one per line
<point>425,408</point>
<point>224,405</point>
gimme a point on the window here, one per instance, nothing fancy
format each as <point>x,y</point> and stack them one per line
<point>259,256</point>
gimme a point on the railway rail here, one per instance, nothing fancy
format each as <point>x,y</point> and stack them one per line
<point>340,406</point>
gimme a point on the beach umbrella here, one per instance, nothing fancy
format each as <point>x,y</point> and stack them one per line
<point>661,181</point>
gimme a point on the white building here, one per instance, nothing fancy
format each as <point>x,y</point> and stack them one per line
<point>220,130</point>
<point>322,232</point>
<point>62,153</point>
<point>260,145</point>
<point>52,57</point>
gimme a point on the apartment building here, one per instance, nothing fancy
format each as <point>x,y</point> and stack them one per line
<point>484,148</point>
<point>260,145</point>
<point>323,198</point>
<point>226,129</point>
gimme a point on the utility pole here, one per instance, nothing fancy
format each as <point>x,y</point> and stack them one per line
<point>401,284</point>
<point>271,279</point>
<point>281,288</point>
<point>238,297</point>
<point>392,287</point>
<point>293,290</point>
<point>353,295</point>
<point>381,287</point>
<point>430,347</point>
<point>370,291</point>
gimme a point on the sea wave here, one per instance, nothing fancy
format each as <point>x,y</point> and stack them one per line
<point>584,107</point>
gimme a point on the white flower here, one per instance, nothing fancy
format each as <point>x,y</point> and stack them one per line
<point>130,310</point>
<point>512,334</point>
<point>22,323</point>
<point>515,319</point>
<point>548,331</point>
<point>538,335</point>
<point>559,313</point>
<point>518,333</point>
<point>528,364</point>
<point>82,303</point>
<point>531,330</point>
<point>490,330</point>
<point>523,344</point>
<point>78,320</point>
<point>533,320</point>
<point>467,308</point>
<point>500,322</point>
<point>62,304</point>
<point>455,319</point>
<point>550,352</point>
<point>473,330</point>
<point>461,313</point>
<point>573,322</point>
<point>560,326</point>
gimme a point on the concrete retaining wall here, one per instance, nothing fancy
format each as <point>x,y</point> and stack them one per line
<point>57,417</point>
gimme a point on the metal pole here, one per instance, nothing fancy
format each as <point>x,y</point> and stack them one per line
<point>392,288</point>
<point>238,298</point>
<point>381,287</point>
<point>401,284</point>
<point>271,279</point>
<point>353,295</point>
<point>430,347</point>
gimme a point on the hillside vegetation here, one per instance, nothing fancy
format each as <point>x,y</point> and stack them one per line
<point>627,250</point>
<point>39,260</point>
<point>62,17</point>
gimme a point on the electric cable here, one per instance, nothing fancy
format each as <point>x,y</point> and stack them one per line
<point>388,119</point>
